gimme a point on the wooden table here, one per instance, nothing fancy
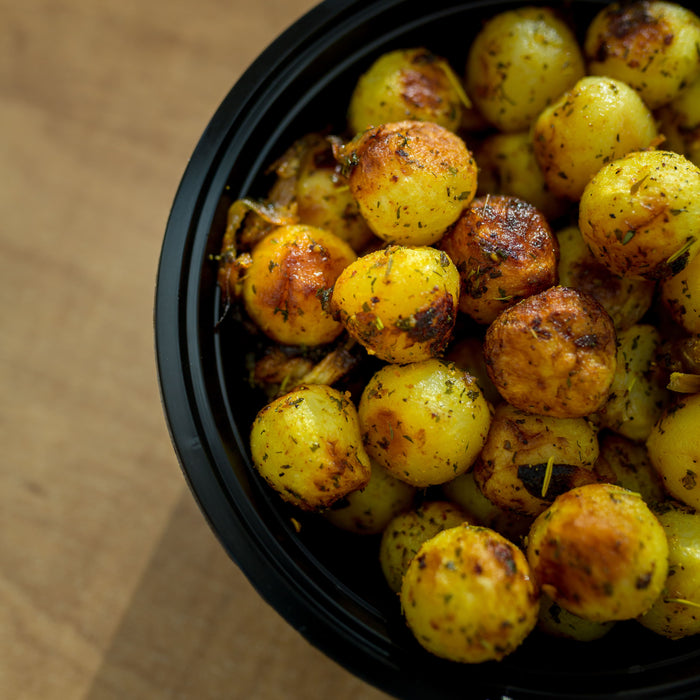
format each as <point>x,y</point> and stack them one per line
<point>111,584</point>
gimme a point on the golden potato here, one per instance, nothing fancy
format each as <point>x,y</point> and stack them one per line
<point>681,296</point>
<point>638,392</point>
<point>676,612</point>
<point>424,422</point>
<point>307,445</point>
<point>407,84</point>
<point>410,179</point>
<point>520,62</point>
<point>367,511</point>
<point>292,268</point>
<point>528,460</point>
<point>594,123</point>
<point>553,353</point>
<point>468,595</point>
<point>468,354</point>
<point>504,251</point>
<point>400,303</point>
<point>649,44</point>
<point>639,214</point>
<point>558,622</point>
<point>406,532</point>
<point>625,299</point>
<point>626,463</point>
<point>599,552</point>
<point>674,449</point>
<point>507,165</point>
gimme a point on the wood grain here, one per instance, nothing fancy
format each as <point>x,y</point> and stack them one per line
<point>111,585</point>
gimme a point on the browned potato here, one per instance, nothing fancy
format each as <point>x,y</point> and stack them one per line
<point>504,251</point>
<point>599,552</point>
<point>528,460</point>
<point>307,445</point>
<point>639,214</point>
<point>400,303</point>
<point>292,268</point>
<point>649,44</point>
<point>553,353</point>
<point>520,62</point>
<point>407,84</point>
<point>625,299</point>
<point>410,179</point>
<point>468,595</point>
<point>598,120</point>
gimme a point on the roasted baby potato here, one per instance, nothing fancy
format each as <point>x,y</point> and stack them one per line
<point>676,612</point>
<point>674,449</point>
<point>504,251</point>
<point>424,422</point>
<point>410,179</point>
<point>468,354</point>
<point>407,84</point>
<point>406,532</point>
<point>559,622</point>
<point>639,214</point>
<point>625,299</point>
<point>649,44</point>
<point>595,122</point>
<point>599,552</point>
<point>400,303</point>
<point>553,353</point>
<point>292,268</point>
<point>520,62</point>
<point>681,296</point>
<point>307,445</point>
<point>528,460</point>
<point>468,595</point>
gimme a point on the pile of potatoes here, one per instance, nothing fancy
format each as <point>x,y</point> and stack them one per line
<point>480,306</point>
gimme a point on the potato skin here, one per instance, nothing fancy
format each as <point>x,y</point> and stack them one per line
<point>292,267</point>
<point>681,296</point>
<point>406,84</point>
<point>562,141</point>
<point>674,449</point>
<point>599,552</point>
<point>559,622</point>
<point>553,353</point>
<point>424,422</point>
<point>406,532</point>
<point>468,595</point>
<point>650,45</point>
<point>512,465</point>
<point>504,251</point>
<point>639,214</point>
<point>520,62</point>
<point>307,446</point>
<point>410,179</point>
<point>400,303</point>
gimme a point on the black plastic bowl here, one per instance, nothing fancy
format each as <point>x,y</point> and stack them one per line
<point>325,583</point>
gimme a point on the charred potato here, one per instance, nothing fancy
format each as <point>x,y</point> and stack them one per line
<point>504,251</point>
<point>468,595</point>
<point>639,214</point>
<point>400,303</point>
<point>410,179</point>
<point>520,62</point>
<point>553,353</point>
<point>600,553</point>
<point>562,133</point>
<point>649,44</point>
<point>424,422</point>
<point>307,445</point>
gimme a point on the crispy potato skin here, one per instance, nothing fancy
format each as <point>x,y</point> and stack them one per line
<point>410,179</point>
<point>553,353</point>
<point>599,552</point>
<point>468,595</point>
<point>639,214</point>
<point>650,45</point>
<point>292,267</point>
<point>307,446</point>
<point>504,251</point>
